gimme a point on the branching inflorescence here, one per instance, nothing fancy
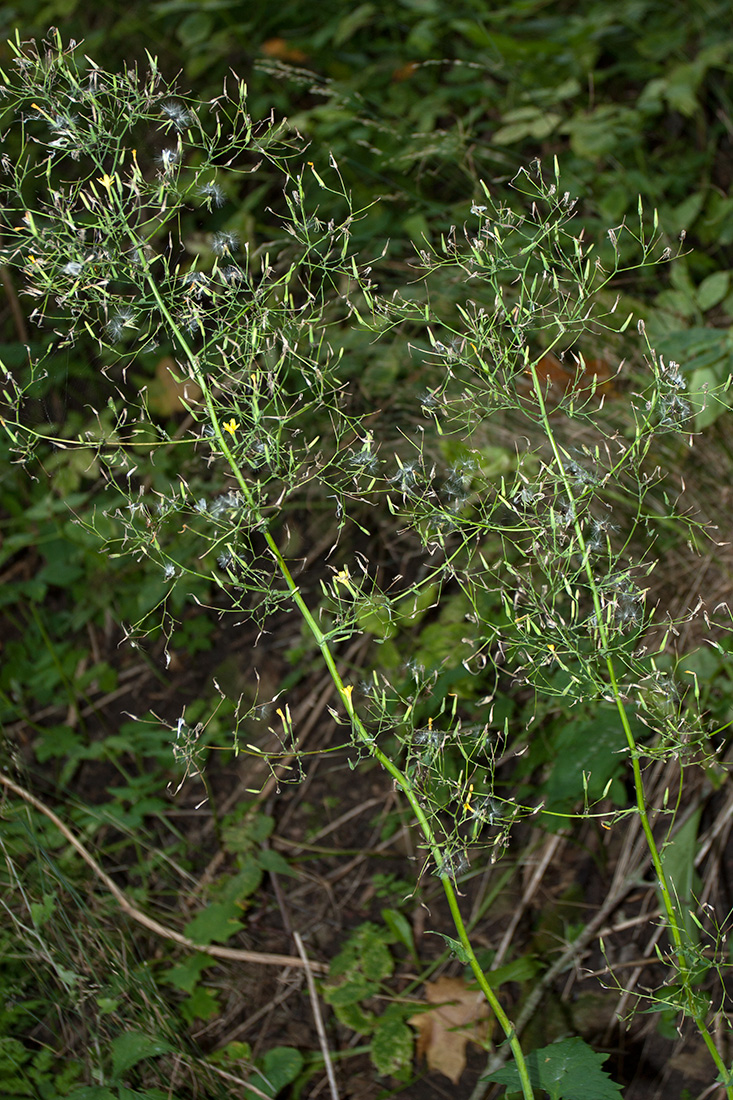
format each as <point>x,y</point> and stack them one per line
<point>536,543</point>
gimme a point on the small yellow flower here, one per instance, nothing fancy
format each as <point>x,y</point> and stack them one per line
<point>231,426</point>
<point>467,804</point>
<point>106,181</point>
<point>348,690</point>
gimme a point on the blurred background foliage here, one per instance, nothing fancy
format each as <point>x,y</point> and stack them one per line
<point>416,101</point>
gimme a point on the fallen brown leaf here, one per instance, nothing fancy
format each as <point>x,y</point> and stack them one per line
<point>460,1016</point>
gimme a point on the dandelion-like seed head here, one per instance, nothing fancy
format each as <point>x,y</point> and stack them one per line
<point>364,460</point>
<point>406,478</point>
<point>197,282</point>
<point>428,737</point>
<point>177,114</point>
<point>228,502</point>
<point>580,474</point>
<point>453,864</point>
<point>460,476</point>
<point>212,195</point>
<point>231,274</point>
<point>168,159</point>
<point>673,375</point>
<point>225,243</point>
<point>123,319</point>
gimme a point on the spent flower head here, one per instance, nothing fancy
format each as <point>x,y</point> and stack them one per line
<point>225,243</point>
<point>212,194</point>
<point>176,113</point>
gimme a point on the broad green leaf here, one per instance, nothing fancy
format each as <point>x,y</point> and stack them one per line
<point>519,970</point>
<point>245,882</point>
<point>354,1017</point>
<point>356,988</point>
<point>133,1047</point>
<point>270,860</point>
<point>185,975</point>
<point>376,958</point>
<point>278,1068</point>
<point>713,289</point>
<point>203,1004</point>
<point>217,922</point>
<point>392,1042</point>
<point>194,28</point>
<point>568,1070</point>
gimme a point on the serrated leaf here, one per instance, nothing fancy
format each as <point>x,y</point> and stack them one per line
<point>201,1005</point>
<point>185,975</point>
<point>216,922</point>
<point>568,1070</point>
<point>133,1047</point>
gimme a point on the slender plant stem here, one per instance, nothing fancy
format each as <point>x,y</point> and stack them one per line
<point>345,692</point>
<point>672,916</point>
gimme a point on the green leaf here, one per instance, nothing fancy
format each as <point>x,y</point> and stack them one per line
<point>270,860</point>
<point>133,1047</point>
<point>392,1043</point>
<point>525,122</point>
<point>568,1070</point>
<point>185,975</point>
<point>356,988</point>
<point>247,833</point>
<point>522,969</point>
<point>203,1004</point>
<point>278,1068</point>
<point>244,883</point>
<point>712,290</point>
<point>353,1016</point>
<point>41,910</point>
<point>455,945</point>
<point>349,24</point>
<point>194,28</point>
<point>591,746</point>
<point>216,922</point>
<point>401,929</point>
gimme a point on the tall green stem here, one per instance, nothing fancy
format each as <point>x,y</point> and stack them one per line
<point>671,913</point>
<point>345,693</point>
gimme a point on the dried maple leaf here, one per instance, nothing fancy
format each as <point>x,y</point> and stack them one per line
<point>460,1016</point>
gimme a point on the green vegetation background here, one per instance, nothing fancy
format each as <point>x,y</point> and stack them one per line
<point>417,100</point>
